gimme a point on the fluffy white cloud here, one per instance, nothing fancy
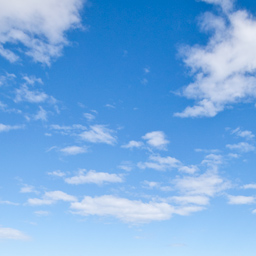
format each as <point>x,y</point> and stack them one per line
<point>242,146</point>
<point>123,209</point>
<point>51,198</point>
<point>206,184</point>
<point>156,139</point>
<point>12,234</point>
<point>99,134</point>
<point>94,177</point>
<point>39,26</point>
<point>241,199</point>
<point>224,69</point>
<point>160,163</point>
<point>73,150</point>
<point>7,128</point>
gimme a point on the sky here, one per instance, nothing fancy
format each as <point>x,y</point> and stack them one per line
<point>127,127</point>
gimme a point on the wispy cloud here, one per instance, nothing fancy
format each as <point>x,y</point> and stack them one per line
<point>7,128</point>
<point>99,134</point>
<point>51,198</point>
<point>94,177</point>
<point>242,146</point>
<point>244,134</point>
<point>12,234</point>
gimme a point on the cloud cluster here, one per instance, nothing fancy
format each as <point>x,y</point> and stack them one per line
<point>224,69</point>
<point>39,26</point>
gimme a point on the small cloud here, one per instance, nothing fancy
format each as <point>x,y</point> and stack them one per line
<point>42,213</point>
<point>242,146</point>
<point>51,198</point>
<point>240,199</point>
<point>133,144</point>
<point>110,106</point>
<point>73,150</point>
<point>41,114</point>
<point>126,166</point>
<point>57,173</point>
<point>28,189</point>
<point>244,134</point>
<point>12,234</point>
<point>7,128</point>
<point>156,139</point>
<point>89,116</point>
<point>144,81</point>
<point>94,177</point>
<point>99,134</point>
<point>249,186</point>
<point>146,70</point>
<point>9,203</point>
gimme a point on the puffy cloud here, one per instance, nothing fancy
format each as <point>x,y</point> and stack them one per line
<point>242,146</point>
<point>206,184</point>
<point>224,69</point>
<point>99,134</point>
<point>123,209</point>
<point>94,177</point>
<point>73,150</point>
<point>12,234</point>
<point>51,198</point>
<point>40,26</point>
<point>156,139</point>
<point>241,199</point>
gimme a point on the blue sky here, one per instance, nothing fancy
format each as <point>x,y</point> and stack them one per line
<point>127,127</point>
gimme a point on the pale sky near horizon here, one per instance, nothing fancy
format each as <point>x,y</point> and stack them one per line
<point>127,127</point>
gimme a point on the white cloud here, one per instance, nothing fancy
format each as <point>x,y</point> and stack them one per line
<point>200,200</point>
<point>207,184</point>
<point>242,146</point>
<point>40,26</point>
<point>32,96</point>
<point>7,128</point>
<point>89,116</point>
<point>12,234</point>
<point>51,198</point>
<point>94,177</point>
<point>133,144</point>
<point>156,139</point>
<point>123,209</point>
<point>42,213</point>
<point>224,69</point>
<point>41,114</point>
<point>249,186</point>
<point>57,173</point>
<point>73,150</point>
<point>189,169</point>
<point>99,134</point>
<point>9,203</point>
<point>27,189</point>
<point>241,199</point>
<point>244,134</point>
<point>160,163</point>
